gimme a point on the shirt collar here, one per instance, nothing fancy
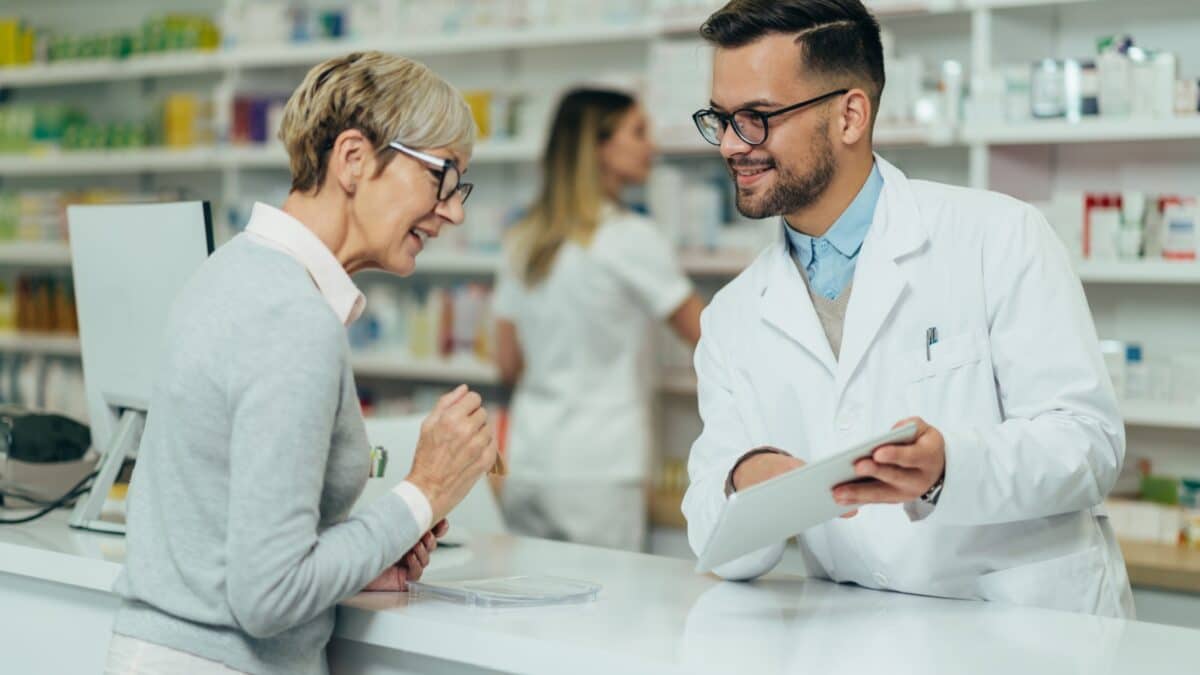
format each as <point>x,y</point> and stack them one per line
<point>850,229</point>
<point>281,231</point>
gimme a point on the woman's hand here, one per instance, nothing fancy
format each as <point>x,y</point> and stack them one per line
<point>410,568</point>
<point>456,447</point>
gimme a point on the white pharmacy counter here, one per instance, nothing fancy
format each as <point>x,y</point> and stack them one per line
<point>654,615</point>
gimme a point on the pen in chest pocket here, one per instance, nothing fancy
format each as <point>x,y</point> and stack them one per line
<point>931,338</point>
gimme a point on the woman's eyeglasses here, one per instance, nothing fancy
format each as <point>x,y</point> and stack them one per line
<point>450,179</point>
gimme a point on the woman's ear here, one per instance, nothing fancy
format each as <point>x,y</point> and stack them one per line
<point>350,160</point>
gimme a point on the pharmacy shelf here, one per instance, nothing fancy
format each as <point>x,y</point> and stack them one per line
<point>1136,413</point>
<point>1154,565</point>
<point>273,156</point>
<point>309,54</point>
<point>459,370</point>
<point>472,41</point>
<point>508,150</point>
<point>383,364</point>
<point>680,382</point>
<point>105,162</point>
<point>1087,131</point>
<point>108,70</point>
<point>171,160</point>
<point>709,264</point>
<point>697,263</point>
<point>702,263</point>
<point>35,254</point>
<point>1139,272</point>
<point>1017,4</point>
<point>915,136</point>
<point>1161,415</point>
<point>730,264</point>
<point>48,344</point>
<point>891,8</point>
<point>687,23</point>
<point>457,262</point>
<point>268,156</point>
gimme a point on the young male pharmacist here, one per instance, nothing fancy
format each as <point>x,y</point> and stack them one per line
<point>885,299</point>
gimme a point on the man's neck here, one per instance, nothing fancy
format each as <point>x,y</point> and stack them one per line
<point>816,219</point>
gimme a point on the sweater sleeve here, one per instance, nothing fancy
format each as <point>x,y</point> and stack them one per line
<point>282,570</point>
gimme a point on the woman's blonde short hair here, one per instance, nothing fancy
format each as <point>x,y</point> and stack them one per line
<point>387,98</point>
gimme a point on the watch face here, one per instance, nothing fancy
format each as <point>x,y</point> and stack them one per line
<point>935,491</point>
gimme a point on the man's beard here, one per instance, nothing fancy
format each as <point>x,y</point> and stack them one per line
<point>791,192</point>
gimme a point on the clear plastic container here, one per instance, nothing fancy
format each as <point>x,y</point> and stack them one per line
<point>521,591</point>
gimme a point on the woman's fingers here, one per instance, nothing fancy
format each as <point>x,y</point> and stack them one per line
<point>402,578</point>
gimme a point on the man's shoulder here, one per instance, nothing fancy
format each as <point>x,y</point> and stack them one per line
<point>738,296</point>
<point>962,208</point>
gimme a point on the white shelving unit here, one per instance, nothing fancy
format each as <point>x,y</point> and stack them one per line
<point>48,344</point>
<point>104,70</point>
<point>1085,131</point>
<point>678,383</point>
<point>1016,4</point>
<point>108,162</point>
<point>1149,414</point>
<point>1139,272</point>
<point>299,55</point>
<point>35,254</point>
<point>232,158</point>
<point>382,364</point>
<point>217,158</point>
<point>697,263</point>
<point>707,264</point>
<point>1160,415</point>
<point>458,262</point>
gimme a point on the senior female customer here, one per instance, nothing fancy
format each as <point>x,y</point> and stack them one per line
<point>240,542</point>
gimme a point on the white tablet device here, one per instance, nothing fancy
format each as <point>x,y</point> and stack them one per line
<point>789,503</point>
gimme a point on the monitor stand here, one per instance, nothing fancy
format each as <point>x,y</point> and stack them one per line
<point>128,436</point>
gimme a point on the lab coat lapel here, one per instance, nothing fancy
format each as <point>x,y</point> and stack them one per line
<point>786,305</point>
<point>879,282</point>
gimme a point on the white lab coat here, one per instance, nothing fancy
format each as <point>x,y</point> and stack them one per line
<point>1016,384</point>
<point>581,410</point>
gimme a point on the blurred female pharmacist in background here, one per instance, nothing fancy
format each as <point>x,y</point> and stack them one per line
<point>584,280</point>
<point>241,541</point>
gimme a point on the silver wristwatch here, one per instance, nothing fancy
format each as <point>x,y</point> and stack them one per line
<point>931,495</point>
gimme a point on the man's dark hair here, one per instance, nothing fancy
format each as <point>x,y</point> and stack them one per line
<point>839,39</point>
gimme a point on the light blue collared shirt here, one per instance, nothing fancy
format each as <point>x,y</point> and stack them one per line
<point>829,260</point>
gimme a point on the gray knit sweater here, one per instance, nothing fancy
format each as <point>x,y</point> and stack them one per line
<point>239,538</point>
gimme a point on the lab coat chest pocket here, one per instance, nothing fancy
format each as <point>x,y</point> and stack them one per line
<point>949,376</point>
<point>1073,582</point>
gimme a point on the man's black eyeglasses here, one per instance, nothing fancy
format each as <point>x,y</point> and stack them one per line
<point>749,125</point>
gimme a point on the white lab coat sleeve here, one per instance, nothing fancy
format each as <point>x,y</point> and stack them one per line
<point>723,440</point>
<point>643,259</point>
<point>1061,443</point>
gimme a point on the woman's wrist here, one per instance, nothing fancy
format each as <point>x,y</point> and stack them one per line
<point>433,494</point>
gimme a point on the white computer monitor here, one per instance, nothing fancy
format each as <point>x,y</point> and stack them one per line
<point>129,262</point>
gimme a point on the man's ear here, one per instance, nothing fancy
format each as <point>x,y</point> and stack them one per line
<point>855,119</point>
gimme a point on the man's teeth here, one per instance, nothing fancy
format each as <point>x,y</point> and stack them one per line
<point>752,172</point>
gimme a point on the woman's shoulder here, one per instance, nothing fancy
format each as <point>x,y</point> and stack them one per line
<point>625,228</point>
<point>250,283</point>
